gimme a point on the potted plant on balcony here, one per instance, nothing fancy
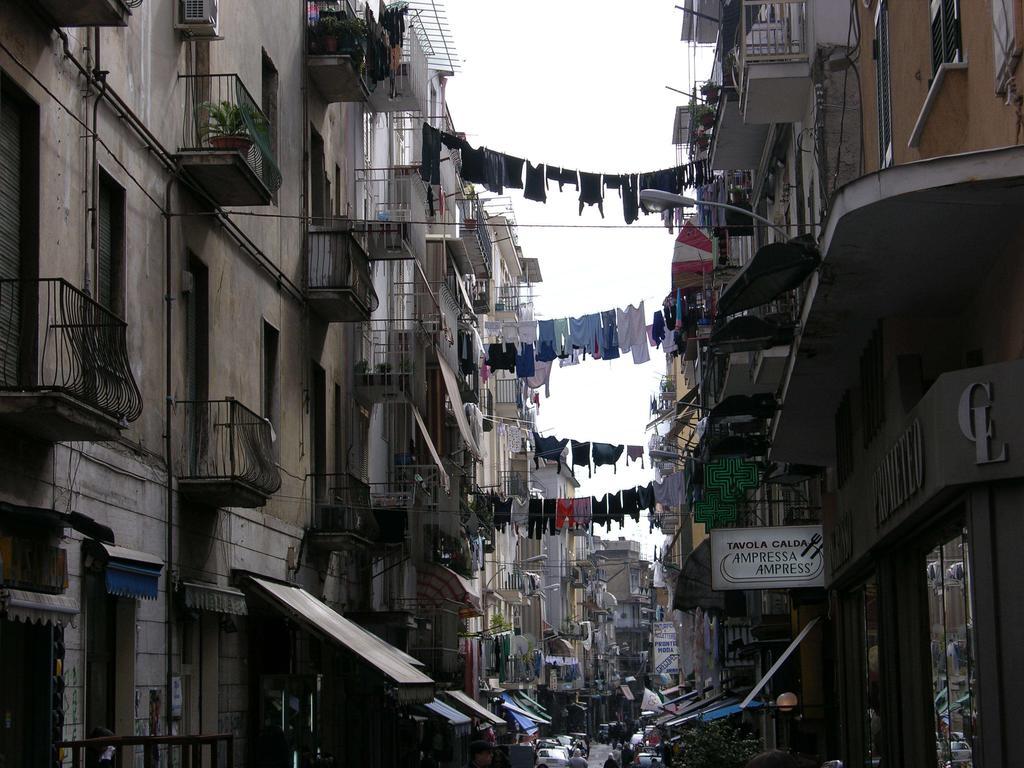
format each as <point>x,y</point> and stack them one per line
<point>227,126</point>
<point>384,373</point>
<point>710,92</point>
<point>703,115</point>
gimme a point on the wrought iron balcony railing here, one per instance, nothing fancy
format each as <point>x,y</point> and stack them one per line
<point>54,338</point>
<point>221,116</point>
<point>227,454</point>
<point>340,285</point>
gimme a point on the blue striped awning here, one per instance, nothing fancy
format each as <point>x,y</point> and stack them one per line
<point>525,724</point>
<point>459,722</point>
<point>130,573</point>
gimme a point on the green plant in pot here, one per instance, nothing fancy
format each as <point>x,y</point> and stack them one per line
<point>227,126</point>
<point>361,368</point>
<point>710,92</point>
<point>384,372</point>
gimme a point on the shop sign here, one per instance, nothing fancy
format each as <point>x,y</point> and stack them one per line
<point>899,475</point>
<point>785,557</point>
<point>32,564</point>
<point>975,418</point>
<point>840,541</point>
<point>666,649</point>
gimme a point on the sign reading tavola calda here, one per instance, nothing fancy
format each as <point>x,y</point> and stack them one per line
<point>767,558</point>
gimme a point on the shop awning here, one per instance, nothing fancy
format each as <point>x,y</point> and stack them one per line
<point>693,585</point>
<point>451,383</point>
<point>694,710</point>
<point>520,718</point>
<point>36,607</point>
<point>779,662</point>
<point>128,572</point>
<point>459,722</point>
<point>749,333</point>
<point>425,433</point>
<point>531,705</point>
<point>473,708</point>
<point>411,685</point>
<point>626,693</point>
<point>895,244</point>
<point>775,269</point>
<point>436,584</point>
<point>215,599</point>
<point>517,705</point>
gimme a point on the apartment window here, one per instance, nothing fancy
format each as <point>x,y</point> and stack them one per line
<point>945,19</point>
<point>19,181</point>
<point>339,449</point>
<point>110,251</point>
<point>317,176</point>
<point>197,330</point>
<point>270,394</point>
<point>318,427</point>
<point>872,383</point>
<point>270,80</point>
<point>882,84</point>
<point>844,440</point>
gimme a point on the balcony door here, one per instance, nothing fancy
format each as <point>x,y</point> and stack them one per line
<point>18,226</point>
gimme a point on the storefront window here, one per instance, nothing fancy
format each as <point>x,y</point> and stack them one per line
<point>873,722</point>
<point>950,618</point>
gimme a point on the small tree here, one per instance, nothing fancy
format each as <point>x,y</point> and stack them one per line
<point>717,744</point>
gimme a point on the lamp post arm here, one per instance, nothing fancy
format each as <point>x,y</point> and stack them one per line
<point>745,212</point>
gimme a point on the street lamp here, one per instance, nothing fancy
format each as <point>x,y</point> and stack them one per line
<point>787,702</point>
<point>657,200</point>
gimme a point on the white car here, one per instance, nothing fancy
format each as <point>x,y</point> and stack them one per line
<point>552,758</point>
<point>960,751</point>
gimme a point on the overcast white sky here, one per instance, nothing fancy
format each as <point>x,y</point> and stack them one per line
<point>582,85</point>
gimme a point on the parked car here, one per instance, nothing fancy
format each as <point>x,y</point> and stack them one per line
<point>647,760</point>
<point>552,757</point>
<point>603,732</point>
<point>960,753</point>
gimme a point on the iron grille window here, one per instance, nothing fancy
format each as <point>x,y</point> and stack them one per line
<point>844,440</point>
<point>882,84</point>
<point>872,382</point>
<point>946,47</point>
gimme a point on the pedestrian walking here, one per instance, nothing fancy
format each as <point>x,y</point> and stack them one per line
<point>610,762</point>
<point>481,754</point>
<point>577,760</point>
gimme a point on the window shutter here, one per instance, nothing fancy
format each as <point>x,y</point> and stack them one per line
<point>105,252</point>
<point>945,20</point>
<point>882,85</point>
<point>10,239</point>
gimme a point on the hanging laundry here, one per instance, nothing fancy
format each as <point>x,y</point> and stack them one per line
<point>609,335</point>
<point>632,328</point>
<point>669,344</point>
<point>525,362</point>
<point>631,503</point>
<point>582,511</point>
<point>590,191</point>
<point>519,511</point>
<point>612,181</point>
<point>515,439</point>
<point>549,515</point>
<point>502,512</point>
<point>573,358</point>
<point>599,507</point>
<point>564,514</point>
<point>513,172</point>
<point>581,456</point>
<point>546,341</point>
<point>495,169</point>
<point>502,357</point>
<point>669,308</point>
<point>669,492</point>
<point>606,453</point>
<point>510,331</point>
<point>567,176</point>
<point>630,198</point>
<point>542,377</point>
<point>562,343</point>
<point>614,509</point>
<point>548,448</point>
<point>430,160</point>
<point>634,453</point>
<point>658,328</point>
<point>535,519</point>
<point>645,495</point>
<point>527,331</point>
<point>535,187</point>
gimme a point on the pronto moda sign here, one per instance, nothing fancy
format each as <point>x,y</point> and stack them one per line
<point>767,558</point>
<point>666,649</point>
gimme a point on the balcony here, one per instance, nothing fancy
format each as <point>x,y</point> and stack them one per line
<point>387,370</point>
<point>340,288</point>
<point>774,66</point>
<point>736,145</point>
<point>487,406</point>
<point>88,13</point>
<point>341,512</point>
<point>225,142</point>
<point>64,368</point>
<point>336,45</point>
<point>507,396</point>
<point>514,484</point>
<point>481,295</point>
<point>396,210</point>
<point>475,236</point>
<point>227,455</point>
<point>406,90</point>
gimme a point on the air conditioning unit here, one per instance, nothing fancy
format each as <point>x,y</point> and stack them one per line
<point>198,18</point>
